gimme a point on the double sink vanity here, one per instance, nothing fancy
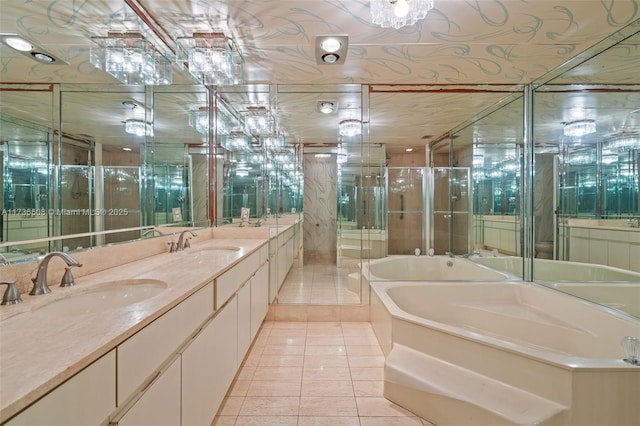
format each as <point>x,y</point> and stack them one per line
<point>155,340</point>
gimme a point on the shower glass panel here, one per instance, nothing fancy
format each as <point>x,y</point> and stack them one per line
<point>451,217</point>
<point>406,220</point>
<point>121,186</point>
<point>172,194</point>
<point>26,181</point>
<point>77,203</point>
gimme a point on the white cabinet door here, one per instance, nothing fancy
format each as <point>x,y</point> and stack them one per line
<point>159,404</point>
<point>86,399</point>
<point>209,364</point>
<point>259,298</point>
<point>244,320</point>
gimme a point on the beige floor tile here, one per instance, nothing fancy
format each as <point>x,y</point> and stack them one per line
<point>283,350</point>
<point>266,421</point>
<point>368,350</point>
<point>368,387</point>
<point>328,421</point>
<point>361,340</point>
<point>367,373</point>
<point>224,421</point>
<point>328,406</point>
<point>390,421</point>
<point>281,361</point>
<point>239,388</point>
<point>278,373</point>
<point>289,325</point>
<point>274,388</point>
<point>317,361</point>
<point>286,340</point>
<point>379,407</point>
<point>340,350</point>
<point>327,388</point>
<point>246,372</point>
<point>325,340</point>
<point>366,361</point>
<point>321,373</point>
<point>288,332</point>
<point>270,406</point>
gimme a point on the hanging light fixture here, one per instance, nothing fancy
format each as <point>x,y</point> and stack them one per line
<point>211,58</point>
<point>138,127</point>
<point>258,121</point>
<point>399,13</point>
<point>235,141</point>
<point>130,58</point>
<point>579,128</point>
<point>351,127</point>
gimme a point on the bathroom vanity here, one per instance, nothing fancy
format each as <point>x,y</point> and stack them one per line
<point>166,358</point>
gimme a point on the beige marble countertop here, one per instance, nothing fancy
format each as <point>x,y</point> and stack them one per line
<point>39,351</point>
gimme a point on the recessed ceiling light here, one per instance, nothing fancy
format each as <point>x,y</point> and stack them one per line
<point>43,57</point>
<point>327,107</point>
<point>409,149</point>
<point>126,149</point>
<point>18,43</point>
<point>331,45</point>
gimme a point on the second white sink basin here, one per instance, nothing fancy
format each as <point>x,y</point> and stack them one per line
<point>111,295</point>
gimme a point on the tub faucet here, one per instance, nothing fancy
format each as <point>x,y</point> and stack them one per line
<point>151,232</point>
<point>182,242</point>
<point>631,347</point>
<point>40,281</point>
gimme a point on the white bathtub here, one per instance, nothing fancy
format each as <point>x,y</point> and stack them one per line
<point>613,287</point>
<point>429,268</point>
<point>489,353</point>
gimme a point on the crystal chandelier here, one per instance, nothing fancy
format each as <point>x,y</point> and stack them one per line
<point>350,128</point>
<point>138,127</point>
<point>258,121</point>
<point>398,13</point>
<point>211,58</point>
<point>235,141</point>
<point>273,142</point>
<point>579,128</point>
<point>199,120</point>
<point>130,58</point>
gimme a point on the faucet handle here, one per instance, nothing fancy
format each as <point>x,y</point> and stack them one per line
<point>187,244</point>
<point>67,278</point>
<point>172,246</point>
<point>11,294</point>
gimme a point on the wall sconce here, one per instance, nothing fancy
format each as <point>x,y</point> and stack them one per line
<point>211,58</point>
<point>29,49</point>
<point>579,128</point>
<point>138,127</point>
<point>351,127</point>
<point>130,58</point>
<point>331,49</point>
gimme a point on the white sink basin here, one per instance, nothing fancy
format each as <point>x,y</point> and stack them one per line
<point>111,295</point>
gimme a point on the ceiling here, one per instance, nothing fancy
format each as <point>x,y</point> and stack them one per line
<point>422,80</point>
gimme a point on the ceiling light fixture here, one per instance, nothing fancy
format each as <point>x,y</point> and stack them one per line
<point>399,13</point>
<point>327,107</point>
<point>211,58</point>
<point>579,128</point>
<point>350,127</point>
<point>138,127</point>
<point>331,49</point>
<point>27,48</point>
<point>235,141</point>
<point>131,59</point>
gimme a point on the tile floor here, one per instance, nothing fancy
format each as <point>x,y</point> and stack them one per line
<point>312,373</point>
<point>320,283</point>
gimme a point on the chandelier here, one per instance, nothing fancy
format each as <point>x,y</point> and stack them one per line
<point>138,127</point>
<point>235,141</point>
<point>351,127</point>
<point>130,58</point>
<point>398,13</point>
<point>579,128</point>
<point>199,120</point>
<point>211,58</point>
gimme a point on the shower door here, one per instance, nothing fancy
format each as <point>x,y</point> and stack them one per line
<point>450,209</point>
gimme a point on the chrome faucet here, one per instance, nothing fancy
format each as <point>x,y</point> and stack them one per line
<point>40,281</point>
<point>182,242</point>
<point>151,232</point>
<point>11,295</point>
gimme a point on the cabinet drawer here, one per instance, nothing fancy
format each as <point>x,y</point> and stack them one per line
<point>229,282</point>
<point>144,352</point>
<point>86,399</point>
